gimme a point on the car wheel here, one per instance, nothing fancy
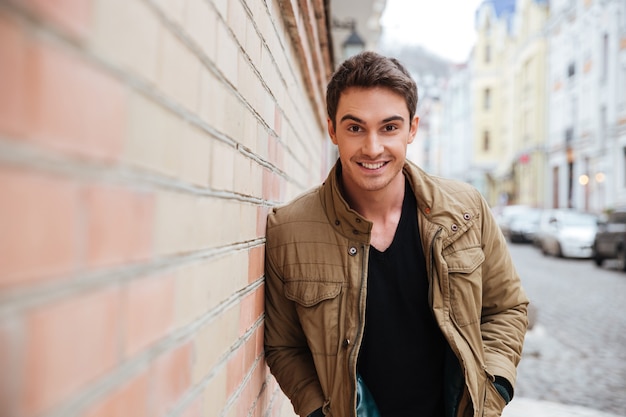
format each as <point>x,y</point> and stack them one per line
<point>621,259</point>
<point>597,259</point>
<point>559,252</point>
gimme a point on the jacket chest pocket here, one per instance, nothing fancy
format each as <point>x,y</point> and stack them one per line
<point>465,278</point>
<point>318,307</point>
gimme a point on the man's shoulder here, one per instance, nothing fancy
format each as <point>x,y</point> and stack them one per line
<point>453,185</point>
<point>305,208</point>
<point>447,186</point>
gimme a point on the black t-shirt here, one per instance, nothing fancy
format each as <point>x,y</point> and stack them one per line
<point>402,353</point>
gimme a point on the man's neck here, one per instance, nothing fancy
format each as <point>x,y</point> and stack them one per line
<point>377,206</point>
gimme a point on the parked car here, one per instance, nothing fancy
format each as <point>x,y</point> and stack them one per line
<point>505,214</point>
<point>523,226</point>
<point>567,233</point>
<point>610,241</point>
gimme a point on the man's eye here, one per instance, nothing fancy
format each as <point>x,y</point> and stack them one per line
<point>390,128</point>
<point>354,128</point>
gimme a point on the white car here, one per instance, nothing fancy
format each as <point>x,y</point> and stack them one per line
<point>567,233</point>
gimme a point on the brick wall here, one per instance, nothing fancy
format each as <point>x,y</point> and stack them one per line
<point>142,143</point>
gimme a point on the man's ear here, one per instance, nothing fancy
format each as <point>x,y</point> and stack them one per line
<point>414,125</point>
<point>331,131</point>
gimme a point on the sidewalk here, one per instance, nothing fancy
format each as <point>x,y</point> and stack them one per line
<point>525,407</point>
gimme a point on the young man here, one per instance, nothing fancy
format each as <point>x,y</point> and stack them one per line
<point>389,274</point>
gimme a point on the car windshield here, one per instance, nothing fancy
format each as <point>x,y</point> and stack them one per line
<point>577,219</point>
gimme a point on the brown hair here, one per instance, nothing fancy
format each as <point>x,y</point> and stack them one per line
<point>369,69</point>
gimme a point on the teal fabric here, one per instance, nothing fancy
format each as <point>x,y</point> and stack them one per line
<point>365,404</point>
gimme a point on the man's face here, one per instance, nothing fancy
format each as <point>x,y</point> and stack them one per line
<point>372,133</point>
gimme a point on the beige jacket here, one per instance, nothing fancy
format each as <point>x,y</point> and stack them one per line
<point>316,276</point>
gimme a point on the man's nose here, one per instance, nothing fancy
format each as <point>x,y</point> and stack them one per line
<point>372,145</point>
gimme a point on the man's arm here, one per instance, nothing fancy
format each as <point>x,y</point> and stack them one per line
<point>504,311</point>
<point>286,350</point>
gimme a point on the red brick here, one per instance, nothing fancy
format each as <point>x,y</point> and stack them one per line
<point>258,389</point>
<point>73,107</point>
<point>13,46</point>
<point>149,311</point>
<point>259,340</point>
<point>235,371</point>
<point>39,231</point>
<point>131,399</point>
<point>251,308</point>
<point>194,410</point>
<point>67,345</point>
<point>262,212</point>
<point>278,121</point>
<point>272,148</point>
<point>119,225</point>
<point>171,378</point>
<point>71,16</point>
<point>256,261</point>
<point>10,348</point>
<point>250,357</point>
<point>267,187</point>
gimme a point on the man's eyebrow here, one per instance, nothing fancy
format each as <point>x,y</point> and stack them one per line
<point>387,120</point>
<point>351,117</point>
<point>393,119</point>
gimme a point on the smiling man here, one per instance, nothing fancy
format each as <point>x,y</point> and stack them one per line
<point>389,292</point>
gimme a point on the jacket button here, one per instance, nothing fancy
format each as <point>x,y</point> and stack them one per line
<point>427,210</point>
<point>467,216</point>
<point>454,227</point>
<point>346,343</point>
<point>352,251</point>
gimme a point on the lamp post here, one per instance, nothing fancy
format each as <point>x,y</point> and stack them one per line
<point>353,45</point>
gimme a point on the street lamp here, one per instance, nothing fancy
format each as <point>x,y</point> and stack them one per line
<point>354,44</point>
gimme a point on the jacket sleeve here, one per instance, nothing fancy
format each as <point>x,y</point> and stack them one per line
<point>504,311</point>
<point>286,350</point>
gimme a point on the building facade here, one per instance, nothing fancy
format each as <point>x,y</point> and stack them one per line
<point>526,65</point>
<point>587,101</point>
<point>490,96</point>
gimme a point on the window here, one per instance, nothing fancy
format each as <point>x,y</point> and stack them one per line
<point>571,70</point>
<point>624,165</point>
<point>622,81</point>
<point>487,99</point>
<point>487,54</point>
<point>486,141</point>
<point>603,124</point>
<point>605,58</point>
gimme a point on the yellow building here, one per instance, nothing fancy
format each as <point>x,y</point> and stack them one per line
<point>528,107</point>
<point>491,140</point>
<point>508,100</point>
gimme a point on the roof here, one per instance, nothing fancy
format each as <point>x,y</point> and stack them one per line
<point>504,9</point>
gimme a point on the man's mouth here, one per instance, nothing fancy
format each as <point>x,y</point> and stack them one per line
<point>372,165</point>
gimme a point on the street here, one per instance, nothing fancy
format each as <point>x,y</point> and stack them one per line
<point>576,351</point>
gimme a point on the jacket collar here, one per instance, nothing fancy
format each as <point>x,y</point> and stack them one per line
<point>438,206</point>
<point>346,220</point>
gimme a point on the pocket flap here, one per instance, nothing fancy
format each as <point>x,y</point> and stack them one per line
<point>466,260</point>
<point>309,293</point>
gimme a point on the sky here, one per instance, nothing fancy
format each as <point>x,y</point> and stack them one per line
<point>445,27</point>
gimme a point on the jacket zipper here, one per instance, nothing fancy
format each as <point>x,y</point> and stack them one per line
<point>432,267</point>
<point>453,347</point>
<point>357,339</point>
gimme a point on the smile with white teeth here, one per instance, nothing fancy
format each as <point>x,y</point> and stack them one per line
<point>372,166</point>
